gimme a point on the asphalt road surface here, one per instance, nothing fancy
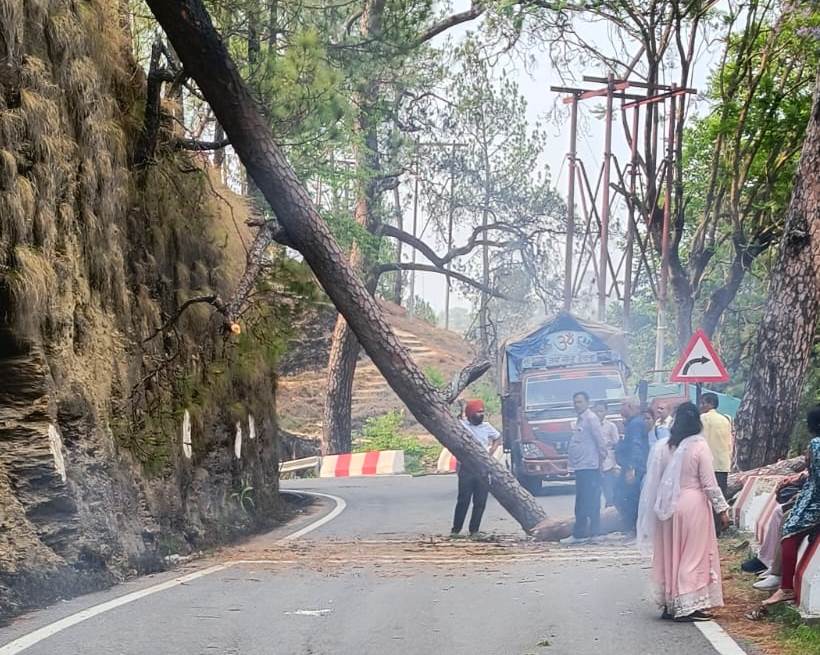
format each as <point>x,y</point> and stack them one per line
<point>380,577</point>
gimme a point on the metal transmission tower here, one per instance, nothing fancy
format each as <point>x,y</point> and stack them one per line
<point>636,184</point>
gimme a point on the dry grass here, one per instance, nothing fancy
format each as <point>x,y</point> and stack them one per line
<point>770,636</point>
<point>30,285</point>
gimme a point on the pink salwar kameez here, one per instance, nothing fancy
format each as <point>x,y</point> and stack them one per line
<point>685,558</point>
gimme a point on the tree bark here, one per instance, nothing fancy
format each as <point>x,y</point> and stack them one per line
<point>786,334</point>
<point>344,348</point>
<point>398,281</point>
<point>147,143</point>
<point>189,27</point>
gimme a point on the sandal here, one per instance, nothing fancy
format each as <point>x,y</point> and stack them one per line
<point>757,614</point>
<point>779,596</point>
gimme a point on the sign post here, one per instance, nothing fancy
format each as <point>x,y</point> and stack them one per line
<point>699,363</point>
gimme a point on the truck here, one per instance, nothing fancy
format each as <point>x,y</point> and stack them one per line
<point>539,372</point>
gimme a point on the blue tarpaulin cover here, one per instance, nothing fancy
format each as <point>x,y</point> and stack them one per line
<point>564,335</point>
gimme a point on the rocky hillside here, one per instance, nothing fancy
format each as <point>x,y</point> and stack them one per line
<point>128,430</point>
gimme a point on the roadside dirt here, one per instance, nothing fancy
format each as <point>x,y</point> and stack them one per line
<point>740,597</point>
<point>387,555</point>
<point>300,396</point>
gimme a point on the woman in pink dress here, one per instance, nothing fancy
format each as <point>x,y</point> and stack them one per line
<point>675,521</point>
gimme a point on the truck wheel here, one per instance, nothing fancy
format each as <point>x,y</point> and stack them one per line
<point>531,484</point>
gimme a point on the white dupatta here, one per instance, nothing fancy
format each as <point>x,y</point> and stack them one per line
<point>661,489</point>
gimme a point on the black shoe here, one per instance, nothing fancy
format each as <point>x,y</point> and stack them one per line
<point>753,565</point>
<point>694,617</point>
<point>666,616</point>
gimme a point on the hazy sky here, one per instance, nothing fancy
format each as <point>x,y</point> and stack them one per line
<point>534,84</point>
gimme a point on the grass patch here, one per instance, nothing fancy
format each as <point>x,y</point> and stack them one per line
<point>797,636</point>
<point>384,433</point>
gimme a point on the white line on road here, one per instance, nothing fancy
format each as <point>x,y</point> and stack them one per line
<point>35,637</point>
<point>340,507</point>
<point>719,638</point>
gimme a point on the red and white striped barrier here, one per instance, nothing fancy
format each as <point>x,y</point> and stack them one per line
<point>447,461</point>
<point>765,517</point>
<point>375,462</point>
<point>807,579</point>
<point>752,500</point>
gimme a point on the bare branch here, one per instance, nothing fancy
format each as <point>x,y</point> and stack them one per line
<point>445,24</point>
<point>396,266</point>
<point>212,299</point>
<point>443,260</point>
<point>200,146</point>
<point>464,379</point>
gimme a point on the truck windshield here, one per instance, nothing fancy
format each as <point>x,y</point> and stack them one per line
<point>543,393</point>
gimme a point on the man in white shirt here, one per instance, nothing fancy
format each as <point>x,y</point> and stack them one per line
<point>472,486</point>
<point>609,467</point>
<point>663,422</point>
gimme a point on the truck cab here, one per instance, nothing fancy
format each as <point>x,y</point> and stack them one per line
<point>538,416</point>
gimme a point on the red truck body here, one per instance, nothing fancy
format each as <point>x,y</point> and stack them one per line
<point>540,373</point>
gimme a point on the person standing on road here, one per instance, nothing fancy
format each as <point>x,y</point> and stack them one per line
<point>663,421</point>
<point>587,452</point>
<point>609,468</point>
<point>473,486</point>
<point>631,455</point>
<point>717,430</point>
<point>675,524</point>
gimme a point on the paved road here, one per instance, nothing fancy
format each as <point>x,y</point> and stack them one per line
<point>380,578</point>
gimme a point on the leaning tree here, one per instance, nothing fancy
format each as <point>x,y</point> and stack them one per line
<point>206,60</point>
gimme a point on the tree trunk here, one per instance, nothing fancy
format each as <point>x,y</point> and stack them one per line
<point>344,348</point>
<point>189,27</point>
<point>219,154</point>
<point>398,282</point>
<point>341,369</point>
<point>786,334</point>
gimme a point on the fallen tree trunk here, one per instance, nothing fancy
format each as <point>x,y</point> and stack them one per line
<point>557,529</point>
<point>206,60</point>
<point>783,467</point>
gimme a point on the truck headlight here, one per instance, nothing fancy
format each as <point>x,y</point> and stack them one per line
<point>531,451</point>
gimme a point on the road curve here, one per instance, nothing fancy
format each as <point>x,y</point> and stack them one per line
<point>379,578</point>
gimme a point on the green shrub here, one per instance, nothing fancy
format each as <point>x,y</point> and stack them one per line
<point>383,433</point>
<point>435,377</point>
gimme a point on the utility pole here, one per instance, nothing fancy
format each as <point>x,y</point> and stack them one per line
<point>663,287</point>
<point>573,139</point>
<point>411,305</point>
<point>604,258</point>
<point>631,226</point>
<point>450,212</point>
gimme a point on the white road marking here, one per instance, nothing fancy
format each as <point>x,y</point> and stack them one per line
<point>35,637</point>
<point>719,638</point>
<point>340,507</point>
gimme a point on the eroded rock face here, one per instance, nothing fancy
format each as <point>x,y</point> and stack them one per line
<point>95,256</point>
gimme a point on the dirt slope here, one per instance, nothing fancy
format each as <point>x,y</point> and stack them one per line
<point>300,396</point>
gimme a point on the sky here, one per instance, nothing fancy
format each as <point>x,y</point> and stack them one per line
<point>534,83</point>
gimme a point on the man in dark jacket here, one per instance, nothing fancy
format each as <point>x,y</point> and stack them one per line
<point>631,455</point>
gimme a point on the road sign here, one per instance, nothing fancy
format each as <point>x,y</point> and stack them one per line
<point>699,362</point>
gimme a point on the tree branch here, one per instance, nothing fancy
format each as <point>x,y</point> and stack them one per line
<point>200,146</point>
<point>212,299</point>
<point>476,10</point>
<point>396,266</point>
<point>442,260</point>
<point>464,379</point>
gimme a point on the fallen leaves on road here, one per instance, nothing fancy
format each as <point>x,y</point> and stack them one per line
<point>386,554</point>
